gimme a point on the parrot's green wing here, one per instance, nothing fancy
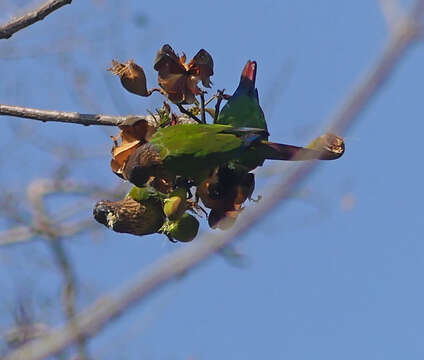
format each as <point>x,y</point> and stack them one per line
<point>194,149</point>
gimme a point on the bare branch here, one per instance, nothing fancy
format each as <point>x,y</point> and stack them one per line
<point>37,193</point>
<point>45,187</point>
<point>23,234</point>
<point>406,34</point>
<point>110,307</point>
<point>82,119</point>
<point>392,12</point>
<point>31,17</point>
<point>16,235</point>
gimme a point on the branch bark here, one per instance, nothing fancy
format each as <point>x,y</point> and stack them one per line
<point>31,17</point>
<point>71,117</point>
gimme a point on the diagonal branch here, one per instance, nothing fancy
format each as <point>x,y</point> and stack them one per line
<point>392,12</point>
<point>31,17</point>
<point>107,308</point>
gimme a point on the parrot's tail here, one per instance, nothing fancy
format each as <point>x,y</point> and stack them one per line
<point>274,151</point>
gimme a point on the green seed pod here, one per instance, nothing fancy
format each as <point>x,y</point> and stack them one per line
<point>185,229</point>
<point>174,207</point>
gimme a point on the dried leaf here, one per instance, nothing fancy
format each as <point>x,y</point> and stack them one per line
<point>178,79</point>
<point>225,192</point>
<point>132,77</point>
<point>129,138</point>
<point>202,66</point>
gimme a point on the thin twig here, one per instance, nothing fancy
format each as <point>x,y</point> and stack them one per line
<point>188,113</point>
<point>16,235</point>
<point>209,100</point>
<point>31,17</point>
<point>107,308</point>
<point>25,233</point>
<point>37,193</point>
<point>219,97</point>
<point>202,108</point>
<point>73,117</point>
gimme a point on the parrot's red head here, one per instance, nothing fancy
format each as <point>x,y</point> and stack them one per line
<point>249,71</point>
<point>247,80</point>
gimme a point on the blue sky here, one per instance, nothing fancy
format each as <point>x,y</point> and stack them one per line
<point>323,280</point>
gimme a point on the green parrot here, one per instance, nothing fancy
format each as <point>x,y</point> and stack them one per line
<point>193,151</point>
<point>243,109</point>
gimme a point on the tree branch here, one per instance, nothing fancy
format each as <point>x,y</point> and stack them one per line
<point>391,11</point>
<point>73,117</point>
<point>31,17</point>
<point>26,233</point>
<point>83,119</point>
<point>107,308</point>
<point>37,193</point>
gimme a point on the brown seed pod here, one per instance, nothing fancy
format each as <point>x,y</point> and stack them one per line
<point>132,77</point>
<point>130,216</point>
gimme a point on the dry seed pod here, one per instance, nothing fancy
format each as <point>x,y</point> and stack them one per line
<point>178,79</point>
<point>130,216</point>
<point>132,77</point>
